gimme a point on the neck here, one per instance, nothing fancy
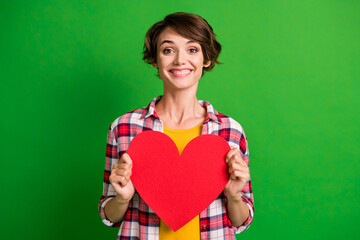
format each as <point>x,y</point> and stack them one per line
<point>179,108</point>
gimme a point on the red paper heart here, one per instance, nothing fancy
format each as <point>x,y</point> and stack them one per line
<point>177,188</point>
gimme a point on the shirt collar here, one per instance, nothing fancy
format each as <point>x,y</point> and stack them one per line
<point>211,113</point>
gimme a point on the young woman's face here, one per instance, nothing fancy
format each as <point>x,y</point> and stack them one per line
<point>180,60</point>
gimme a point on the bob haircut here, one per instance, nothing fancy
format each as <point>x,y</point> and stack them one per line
<point>190,26</point>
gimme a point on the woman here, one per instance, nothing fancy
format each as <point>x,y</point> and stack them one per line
<point>181,47</point>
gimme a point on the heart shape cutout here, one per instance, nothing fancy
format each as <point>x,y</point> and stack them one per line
<point>178,188</point>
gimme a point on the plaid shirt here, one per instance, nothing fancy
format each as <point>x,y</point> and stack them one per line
<point>140,222</point>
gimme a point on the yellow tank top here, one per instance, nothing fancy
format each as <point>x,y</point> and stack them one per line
<point>191,230</point>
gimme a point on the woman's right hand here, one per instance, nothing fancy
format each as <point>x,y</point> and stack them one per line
<point>120,179</point>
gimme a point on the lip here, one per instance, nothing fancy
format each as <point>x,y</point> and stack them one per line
<point>180,72</point>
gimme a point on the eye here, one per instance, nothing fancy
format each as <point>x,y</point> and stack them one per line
<point>193,50</point>
<point>167,50</point>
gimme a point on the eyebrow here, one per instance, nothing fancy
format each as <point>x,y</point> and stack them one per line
<point>171,42</point>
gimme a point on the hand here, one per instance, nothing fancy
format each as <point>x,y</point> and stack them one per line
<point>120,179</point>
<point>239,174</point>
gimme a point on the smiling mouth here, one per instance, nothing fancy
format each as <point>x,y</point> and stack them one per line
<point>180,73</point>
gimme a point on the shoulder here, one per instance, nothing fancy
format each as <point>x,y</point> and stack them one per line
<point>226,122</point>
<point>230,124</point>
<point>233,132</point>
<point>128,119</point>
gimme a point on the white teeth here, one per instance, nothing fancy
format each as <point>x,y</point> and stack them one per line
<point>180,72</point>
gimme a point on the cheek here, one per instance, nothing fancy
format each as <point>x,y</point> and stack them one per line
<point>199,61</point>
<point>163,62</point>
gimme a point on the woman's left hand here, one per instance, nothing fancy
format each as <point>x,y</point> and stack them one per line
<point>239,174</point>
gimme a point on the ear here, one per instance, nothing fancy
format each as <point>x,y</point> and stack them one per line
<point>154,64</point>
<point>207,64</point>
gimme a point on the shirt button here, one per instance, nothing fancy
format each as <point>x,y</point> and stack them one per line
<point>204,227</point>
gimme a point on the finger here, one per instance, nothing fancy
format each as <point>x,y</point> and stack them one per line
<point>121,180</point>
<point>231,153</point>
<point>235,158</point>
<point>125,158</point>
<point>236,166</point>
<point>233,176</point>
<point>114,169</point>
<point>124,166</point>
<point>120,172</point>
<point>241,153</point>
<point>238,159</point>
<point>240,174</point>
<point>236,150</point>
<point>123,173</point>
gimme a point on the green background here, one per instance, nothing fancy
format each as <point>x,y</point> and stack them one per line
<point>290,76</point>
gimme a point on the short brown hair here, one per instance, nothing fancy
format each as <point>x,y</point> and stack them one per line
<point>190,26</point>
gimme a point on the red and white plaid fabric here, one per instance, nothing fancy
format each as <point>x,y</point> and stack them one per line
<point>140,222</point>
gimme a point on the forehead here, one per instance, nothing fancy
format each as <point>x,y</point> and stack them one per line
<point>170,36</point>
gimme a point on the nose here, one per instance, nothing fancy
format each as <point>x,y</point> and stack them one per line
<point>180,58</point>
